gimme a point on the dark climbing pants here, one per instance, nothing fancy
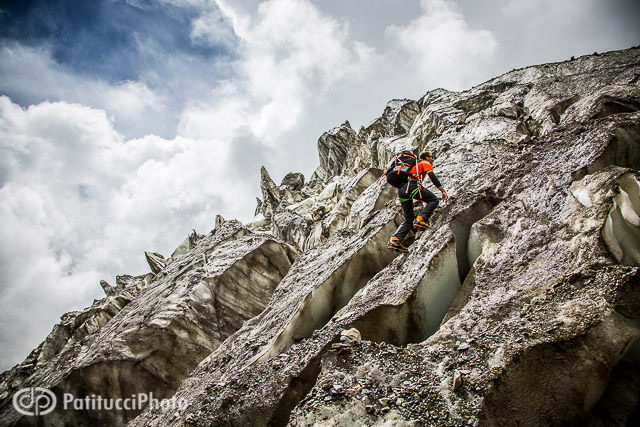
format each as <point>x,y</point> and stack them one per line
<point>407,194</point>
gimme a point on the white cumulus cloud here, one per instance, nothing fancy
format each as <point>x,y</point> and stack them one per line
<point>290,53</point>
<point>80,203</point>
<point>441,47</point>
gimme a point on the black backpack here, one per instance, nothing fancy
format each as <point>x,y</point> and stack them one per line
<point>398,169</point>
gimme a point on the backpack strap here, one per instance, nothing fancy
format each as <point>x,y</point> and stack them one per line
<point>392,161</point>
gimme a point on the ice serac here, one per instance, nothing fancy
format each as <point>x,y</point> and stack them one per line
<point>152,343</point>
<point>270,194</point>
<point>397,118</point>
<point>333,148</point>
<point>338,216</point>
<point>156,262</point>
<point>72,330</point>
<point>544,328</point>
<point>519,306</point>
<point>318,285</point>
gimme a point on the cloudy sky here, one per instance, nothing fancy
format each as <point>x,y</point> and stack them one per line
<point>125,124</point>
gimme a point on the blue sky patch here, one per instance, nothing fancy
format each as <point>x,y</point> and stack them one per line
<point>111,39</point>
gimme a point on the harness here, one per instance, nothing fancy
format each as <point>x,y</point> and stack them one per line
<point>413,193</point>
<point>413,178</point>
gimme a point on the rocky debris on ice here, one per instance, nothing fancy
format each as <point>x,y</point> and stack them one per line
<point>545,302</point>
<point>519,306</point>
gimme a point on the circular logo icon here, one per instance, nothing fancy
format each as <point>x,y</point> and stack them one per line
<point>34,401</point>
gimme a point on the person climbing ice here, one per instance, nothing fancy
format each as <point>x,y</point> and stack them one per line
<point>406,173</point>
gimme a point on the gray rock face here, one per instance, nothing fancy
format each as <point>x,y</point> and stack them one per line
<point>519,306</point>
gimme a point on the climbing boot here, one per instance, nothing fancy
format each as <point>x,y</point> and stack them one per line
<point>395,245</point>
<point>420,224</point>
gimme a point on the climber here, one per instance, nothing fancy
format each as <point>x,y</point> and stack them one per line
<point>414,190</point>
